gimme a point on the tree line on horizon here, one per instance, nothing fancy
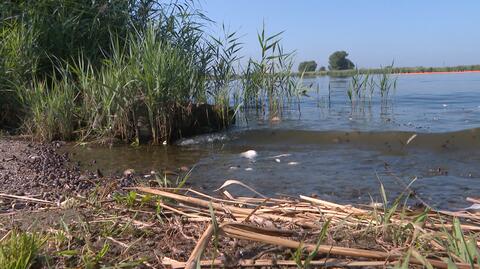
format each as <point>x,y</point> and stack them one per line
<point>339,64</point>
<point>337,61</point>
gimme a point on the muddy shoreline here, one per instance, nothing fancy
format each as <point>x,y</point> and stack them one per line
<point>88,220</point>
<point>47,172</point>
<point>36,170</point>
<point>65,196</point>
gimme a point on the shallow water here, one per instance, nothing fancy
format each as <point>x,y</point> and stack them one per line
<point>339,153</point>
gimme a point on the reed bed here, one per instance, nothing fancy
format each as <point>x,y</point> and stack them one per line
<point>128,70</point>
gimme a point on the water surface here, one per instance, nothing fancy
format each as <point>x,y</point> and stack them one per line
<point>339,152</point>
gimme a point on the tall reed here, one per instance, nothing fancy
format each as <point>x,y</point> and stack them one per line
<point>145,77</point>
<point>363,86</point>
<point>18,64</point>
<point>51,108</point>
<point>102,69</point>
<point>269,81</point>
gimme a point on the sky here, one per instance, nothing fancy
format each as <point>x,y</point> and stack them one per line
<point>373,32</point>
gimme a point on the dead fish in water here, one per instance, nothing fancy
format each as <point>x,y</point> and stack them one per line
<point>376,205</point>
<point>275,119</point>
<point>475,208</point>
<point>411,139</point>
<point>249,154</point>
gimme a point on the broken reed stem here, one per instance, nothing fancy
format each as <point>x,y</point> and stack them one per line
<point>199,248</point>
<point>273,263</point>
<point>26,198</point>
<point>274,240</point>
<point>327,249</point>
<point>230,208</point>
<point>307,213</point>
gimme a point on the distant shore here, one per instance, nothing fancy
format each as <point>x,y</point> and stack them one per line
<point>397,70</point>
<point>438,72</point>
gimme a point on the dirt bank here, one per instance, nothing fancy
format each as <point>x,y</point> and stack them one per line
<point>37,171</point>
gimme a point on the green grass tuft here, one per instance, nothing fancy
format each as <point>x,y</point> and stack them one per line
<point>19,250</point>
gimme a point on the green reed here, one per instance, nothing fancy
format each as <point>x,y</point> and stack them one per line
<point>132,68</point>
<point>224,71</point>
<point>148,78</point>
<point>363,86</point>
<point>50,108</point>
<point>269,81</point>
<point>386,82</point>
<point>18,61</point>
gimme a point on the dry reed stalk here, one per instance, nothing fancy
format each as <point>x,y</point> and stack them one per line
<point>26,198</point>
<point>269,239</point>
<point>330,250</point>
<point>346,208</point>
<point>199,248</point>
<point>273,213</point>
<point>330,263</point>
<point>217,206</point>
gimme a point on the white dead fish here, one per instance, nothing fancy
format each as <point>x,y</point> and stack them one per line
<point>249,169</point>
<point>249,154</point>
<point>277,160</point>
<point>475,208</point>
<point>444,105</point>
<point>376,205</point>
<point>411,139</point>
<point>293,163</point>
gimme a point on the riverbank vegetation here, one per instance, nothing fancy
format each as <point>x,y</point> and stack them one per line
<point>127,69</point>
<point>308,66</point>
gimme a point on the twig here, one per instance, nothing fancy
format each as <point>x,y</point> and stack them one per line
<point>26,198</point>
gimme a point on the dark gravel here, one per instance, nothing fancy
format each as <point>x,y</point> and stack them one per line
<point>39,171</point>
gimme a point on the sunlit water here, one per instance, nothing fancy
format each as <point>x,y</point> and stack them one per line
<point>335,151</point>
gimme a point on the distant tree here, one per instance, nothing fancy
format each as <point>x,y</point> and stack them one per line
<point>322,68</point>
<point>308,66</point>
<point>338,61</point>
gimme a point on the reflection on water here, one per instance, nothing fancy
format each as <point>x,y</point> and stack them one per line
<point>336,151</point>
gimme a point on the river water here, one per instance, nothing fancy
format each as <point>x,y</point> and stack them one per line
<point>426,133</point>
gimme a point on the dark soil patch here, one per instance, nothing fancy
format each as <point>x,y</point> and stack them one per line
<point>37,171</point>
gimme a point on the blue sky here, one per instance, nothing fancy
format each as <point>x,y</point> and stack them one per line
<point>373,32</point>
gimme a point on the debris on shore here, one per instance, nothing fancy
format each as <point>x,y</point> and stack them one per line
<point>147,224</point>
